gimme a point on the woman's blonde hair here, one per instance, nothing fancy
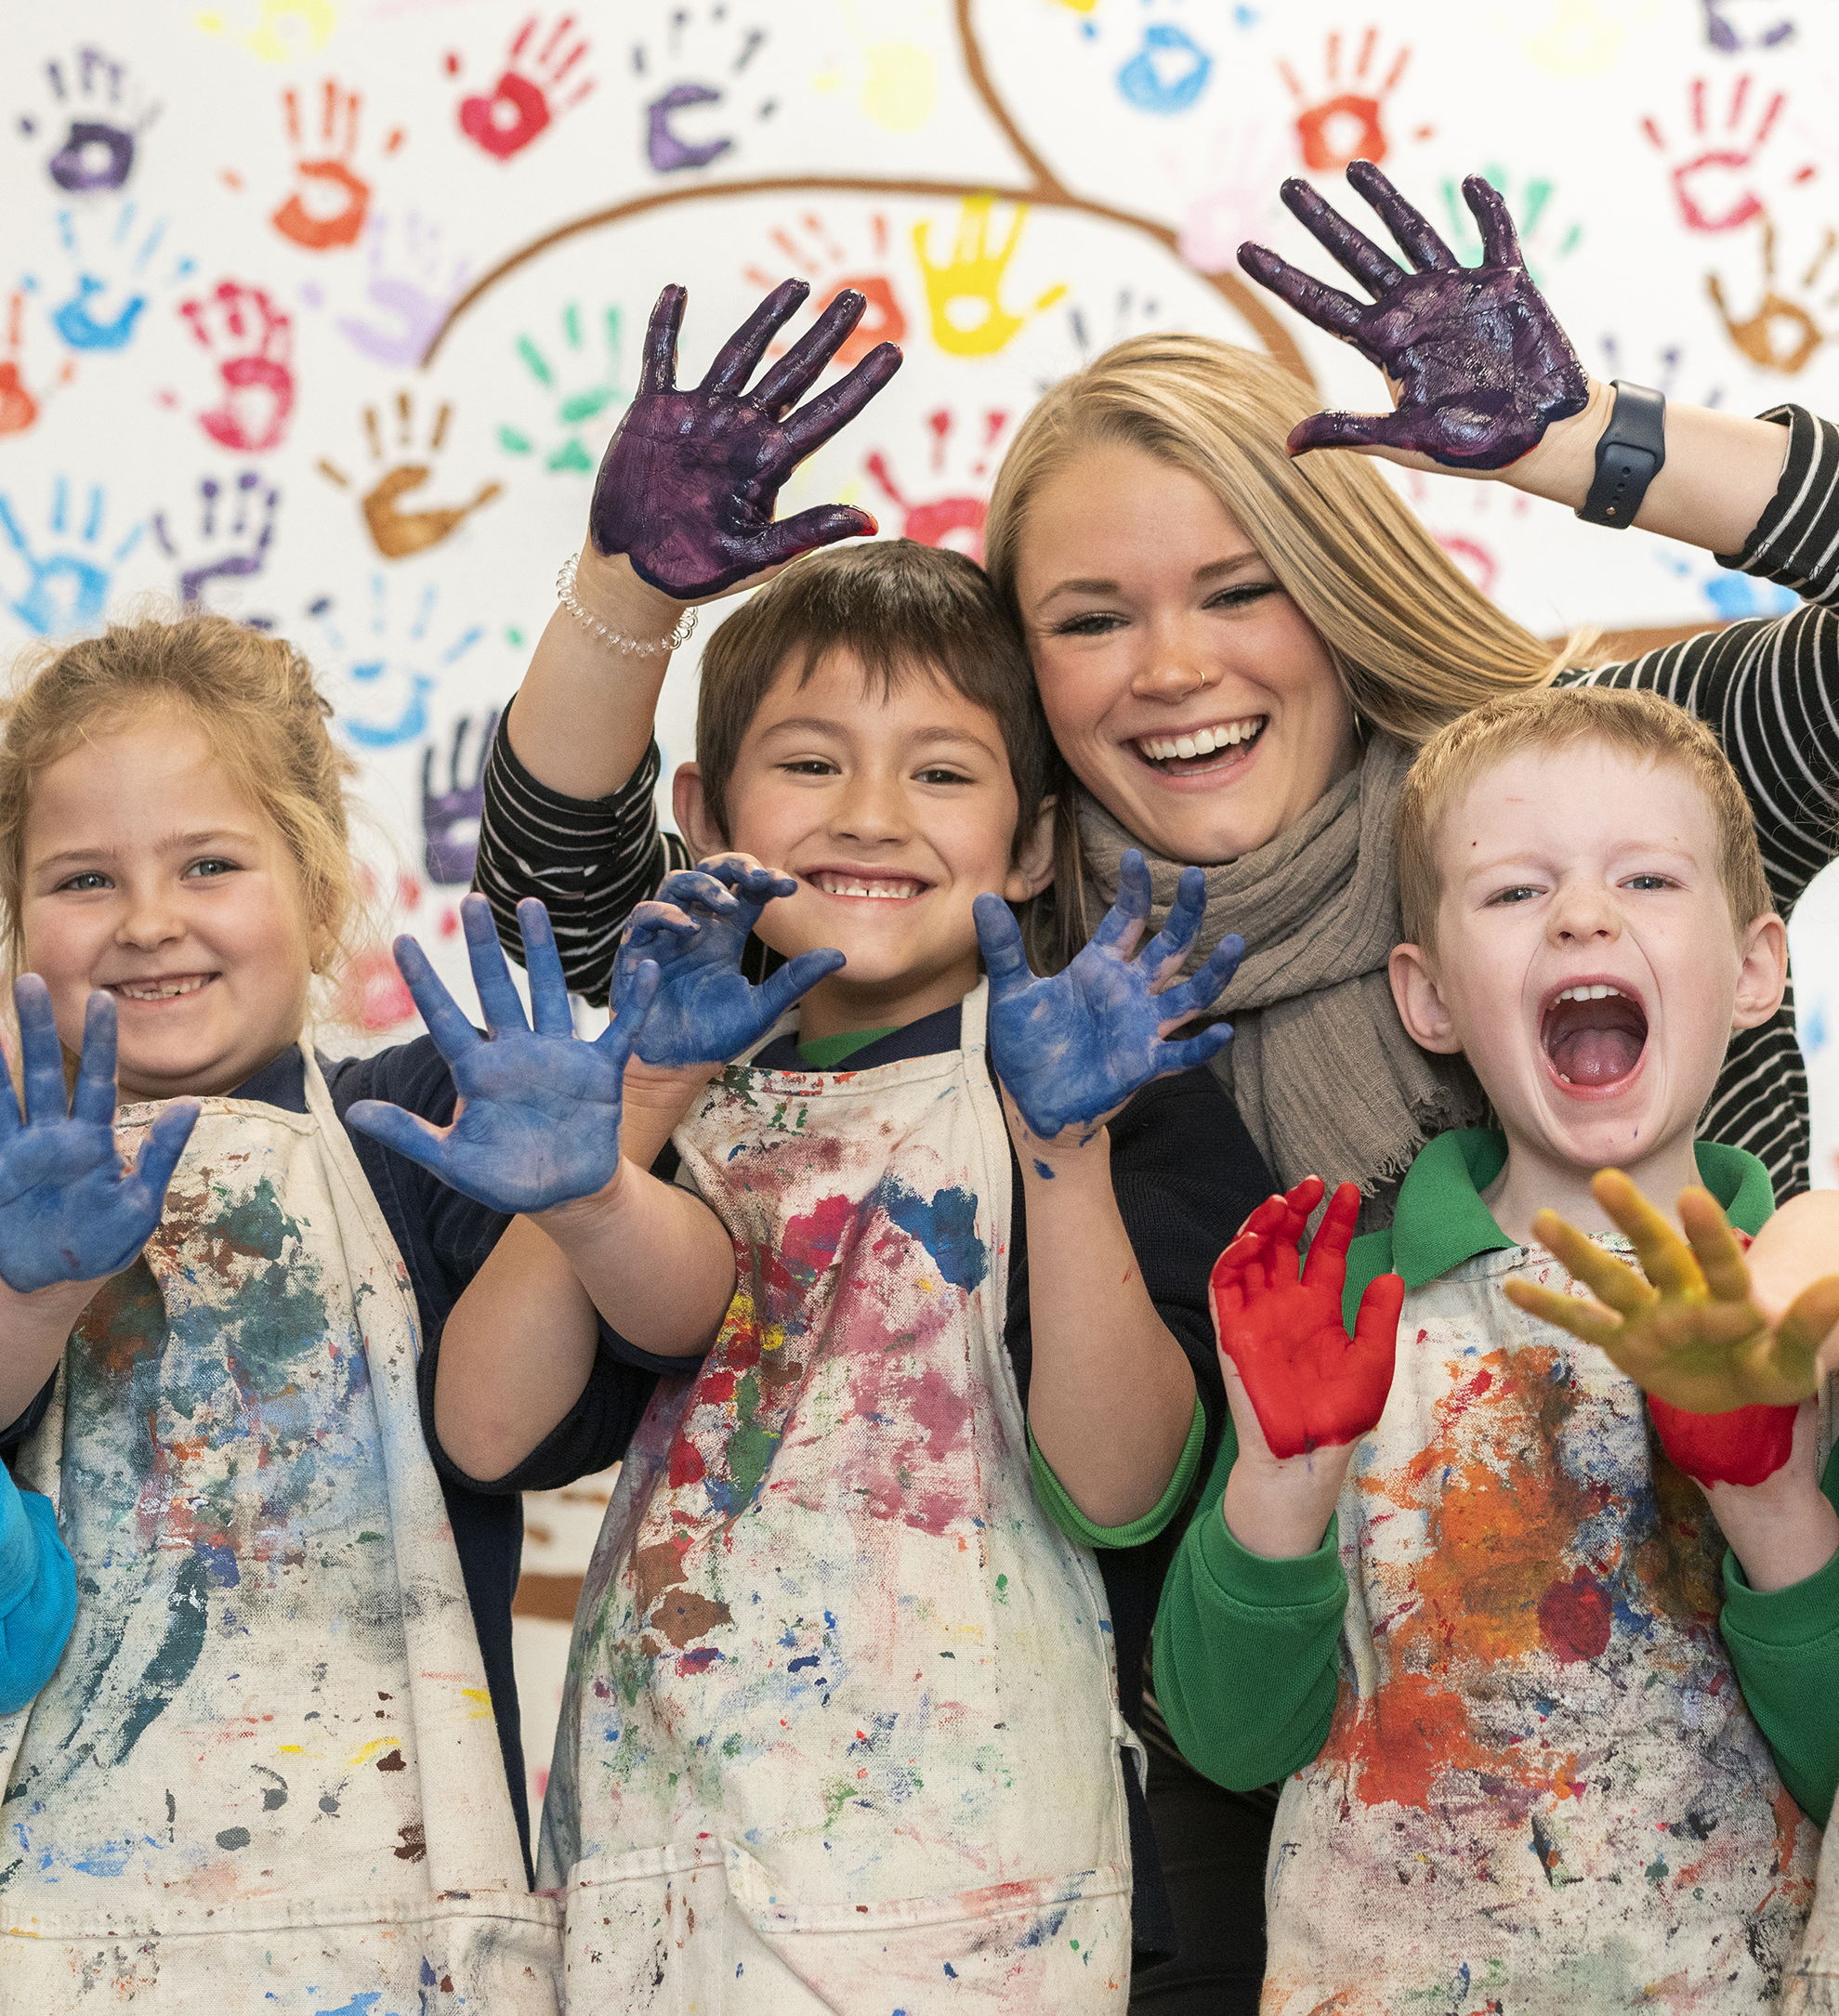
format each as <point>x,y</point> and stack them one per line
<point>252,698</point>
<point>1414,642</point>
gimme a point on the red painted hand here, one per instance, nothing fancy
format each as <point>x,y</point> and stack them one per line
<point>1309,1384</point>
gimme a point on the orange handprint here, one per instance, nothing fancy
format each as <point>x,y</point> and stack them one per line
<point>396,532</point>
<point>1345,126</point>
<point>964,292</point>
<point>18,408</point>
<point>1717,187</point>
<point>811,248</point>
<point>340,199</point>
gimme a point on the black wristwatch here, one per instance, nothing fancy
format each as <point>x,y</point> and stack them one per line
<point>1630,455</point>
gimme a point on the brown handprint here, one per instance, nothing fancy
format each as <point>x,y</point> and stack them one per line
<point>1780,334</point>
<point>252,342</point>
<point>1715,188</point>
<point>340,199</point>
<point>394,532</point>
<point>1345,126</point>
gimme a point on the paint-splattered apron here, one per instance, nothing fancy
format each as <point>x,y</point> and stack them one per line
<point>266,1775</point>
<point>1540,1760</point>
<point>840,1729</point>
<point>1812,1988</point>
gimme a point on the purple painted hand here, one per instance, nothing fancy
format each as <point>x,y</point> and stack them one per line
<point>68,1209</point>
<point>689,482</point>
<point>1073,1048</point>
<point>1481,367</point>
<point>538,1121</point>
<point>705,1012</point>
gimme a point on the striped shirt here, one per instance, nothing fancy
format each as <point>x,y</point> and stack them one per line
<point>1768,688</point>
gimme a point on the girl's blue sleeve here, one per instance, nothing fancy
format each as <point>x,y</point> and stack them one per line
<point>37,1593</point>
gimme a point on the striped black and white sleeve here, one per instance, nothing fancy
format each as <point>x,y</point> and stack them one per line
<point>591,860</point>
<point>1770,690</point>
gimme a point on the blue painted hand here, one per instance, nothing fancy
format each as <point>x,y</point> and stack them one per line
<point>538,1121</point>
<point>1073,1049</point>
<point>68,1209</point>
<point>705,1012</point>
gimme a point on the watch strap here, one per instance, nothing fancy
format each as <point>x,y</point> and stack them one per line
<point>1630,455</point>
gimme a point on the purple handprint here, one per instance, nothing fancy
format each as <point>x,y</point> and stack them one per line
<point>1481,365</point>
<point>449,818</point>
<point>1070,1049</point>
<point>689,482</point>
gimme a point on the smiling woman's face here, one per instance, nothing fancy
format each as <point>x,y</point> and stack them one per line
<point>1189,694</point>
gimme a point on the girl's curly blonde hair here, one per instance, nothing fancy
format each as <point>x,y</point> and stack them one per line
<point>252,698</point>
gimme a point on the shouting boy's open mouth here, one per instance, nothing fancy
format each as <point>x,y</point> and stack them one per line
<point>1592,1034</point>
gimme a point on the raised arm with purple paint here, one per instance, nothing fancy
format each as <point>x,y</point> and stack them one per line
<point>688,484</point>
<point>1479,364</point>
<point>69,1212</point>
<point>1073,1049</point>
<point>538,1121</point>
<point>705,1012</point>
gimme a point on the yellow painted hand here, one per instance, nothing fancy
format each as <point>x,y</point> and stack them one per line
<point>1685,1329</point>
<point>963,291</point>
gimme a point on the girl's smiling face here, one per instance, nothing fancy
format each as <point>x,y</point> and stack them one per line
<point>148,874</point>
<point>1189,694</point>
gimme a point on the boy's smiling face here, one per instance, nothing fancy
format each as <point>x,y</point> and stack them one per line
<point>894,813</point>
<point>1586,962</point>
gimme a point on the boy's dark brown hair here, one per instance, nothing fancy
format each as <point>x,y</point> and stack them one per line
<point>906,611</point>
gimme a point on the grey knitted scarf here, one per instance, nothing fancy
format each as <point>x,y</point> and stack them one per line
<point>1320,1066</point>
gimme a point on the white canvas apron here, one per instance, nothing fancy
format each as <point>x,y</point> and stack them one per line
<point>266,1775</point>
<point>1812,1988</point>
<point>840,1731</point>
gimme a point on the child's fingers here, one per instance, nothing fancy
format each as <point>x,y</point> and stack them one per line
<point>1327,1263</point>
<point>1714,1245</point>
<point>702,888</point>
<point>635,997</point>
<point>1376,1320</point>
<point>1192,1052</point>
<point>796,977</point>
<point>160,1150</point>
<point>999,940</point>
<point>42,1055</point>
<point>94,1099</point>
<point>452,1034</point>
<point>1811,1321</point>
<point>407,1133</point>
<point>491,971</point>
<point>1203,988</point>
<point>1589,1324</point>
<point>657,372</point>
<point>549,1006</point>
<point>1665,1258</point>
<point>1607,1277</point>
<point>1165,951</point>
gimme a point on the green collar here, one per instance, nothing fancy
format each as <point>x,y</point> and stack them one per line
<point>1441,1220</point>
<point>825,1052</point>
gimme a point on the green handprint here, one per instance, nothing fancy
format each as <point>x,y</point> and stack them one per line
<point>1526,206</point>
<point>574,409</point>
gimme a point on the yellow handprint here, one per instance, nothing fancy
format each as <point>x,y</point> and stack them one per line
<point>968,318</point>
<point>283,30</point>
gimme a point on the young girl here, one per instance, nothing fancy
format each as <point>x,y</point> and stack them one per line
<point>266,1770</point>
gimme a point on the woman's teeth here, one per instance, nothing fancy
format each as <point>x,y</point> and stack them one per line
<point>852,885</point>
<point>1203,742</point>
<point>158,990</point>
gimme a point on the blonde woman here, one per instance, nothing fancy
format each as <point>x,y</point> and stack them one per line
<point>1239,644</point>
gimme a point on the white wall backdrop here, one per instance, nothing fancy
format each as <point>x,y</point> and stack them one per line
<point>320,312</point>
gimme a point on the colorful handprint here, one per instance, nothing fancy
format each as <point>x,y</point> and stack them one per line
<point>59,581</point>
<point>1342,121</point>
<point>411,282</point>
<point>250,342</point>
<point>963,291</point>
<point>229,539</point>
<point>1716,185</point>
<point>328,206</point>
<point>394,531</point>
<point>542,79</point>
<point>584,389</point>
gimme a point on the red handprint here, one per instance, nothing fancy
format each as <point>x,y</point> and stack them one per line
<point>1714,186</point>
<point>252,342</point>
<point>812,246</point>
<point>519,107</point>
<point>340,199</point>
<point>1345,126</point>
<point>1309,1384</point>
<point>19,407</point>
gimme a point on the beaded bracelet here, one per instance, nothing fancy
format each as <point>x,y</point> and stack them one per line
<point>613,639</point>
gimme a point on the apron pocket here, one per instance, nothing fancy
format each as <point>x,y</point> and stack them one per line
<point>699,1929</point>
<point>498,1953</point>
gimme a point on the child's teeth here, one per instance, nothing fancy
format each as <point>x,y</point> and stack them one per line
<point>842,886</point>
<point>1597,991</point>
<point>158,990</point>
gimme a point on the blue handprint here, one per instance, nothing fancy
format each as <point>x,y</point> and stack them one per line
<point>694,932</point>
<point>1073,1048</point>
<point>66,590</point>
<point>109,263</point>
<point>383,661</point>
<point>68,1211</point>
<point>538,1123</point>
<point>1168,73</point>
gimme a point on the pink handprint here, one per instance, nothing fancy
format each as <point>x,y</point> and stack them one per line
<point>251,341</point>
<point>1716,186</point>
<point>519,107</point>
